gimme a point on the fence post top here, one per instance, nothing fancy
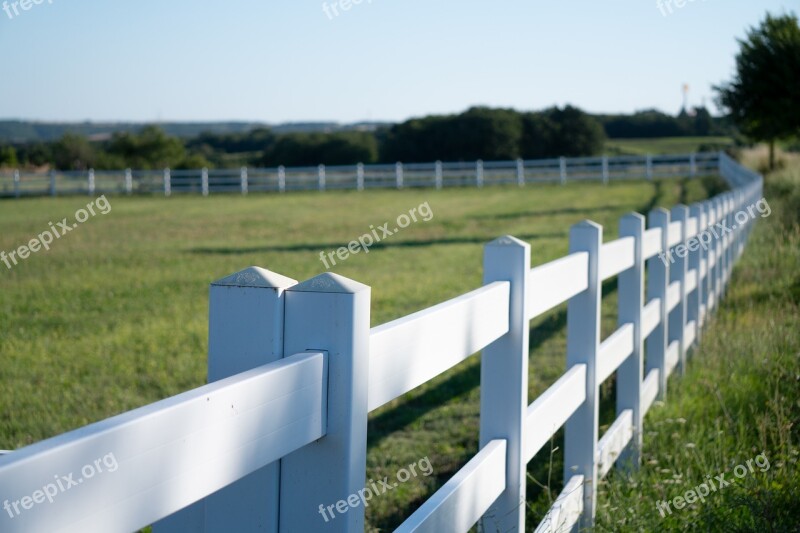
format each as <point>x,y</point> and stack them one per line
<point>633,215</point>
<point>659,212</point>
<point>255,277</point>
<point>678,210</point>
<point>508,240</point>
<point>330,282</point>
<point>586,225</point>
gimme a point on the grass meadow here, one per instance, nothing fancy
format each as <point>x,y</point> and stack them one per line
<point>114,316</point>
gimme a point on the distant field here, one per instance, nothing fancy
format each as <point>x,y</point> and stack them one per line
<point>114,316</point>
<point>663,145</point>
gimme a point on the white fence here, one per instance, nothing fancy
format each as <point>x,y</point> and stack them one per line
<point>295,370</point>
<point>359,177</point>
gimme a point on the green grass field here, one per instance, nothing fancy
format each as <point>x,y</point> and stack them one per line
<point>114,316</point>
<point>665,145</point>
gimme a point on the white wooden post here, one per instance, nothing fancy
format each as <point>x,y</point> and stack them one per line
<point>520,172</point>
<point>677,320</point>
<point>16,184</point>
<point>710,296</point>
<point>167,183</point>
<point>128,181</point>
<point>438,174</point>
<point>630,304</point>
<point>329,313</point>
<point>657,283</point>
<point>281,179</point>
<point>695,299</point>
<point>398,174</point>
<point>360,176</point>
<point>204,181</point>
<point>720,271</point>
<point>52,183</point>
<point>729,257</point>
<point>649,166</point>
<point>504,381</point>
<point>605,170</point>
<point>245,331</point>
<point>562,168</point>
<point>321,177</point>
<point>90,182</point>
<point>244,181</point>
<point>692,165</point>
<point>479,173</point>
<point>583,342</point>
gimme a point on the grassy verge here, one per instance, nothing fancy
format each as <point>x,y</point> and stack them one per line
<point>665,145</point>
<point>739,402</point>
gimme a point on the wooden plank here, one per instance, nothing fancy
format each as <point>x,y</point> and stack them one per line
<point>553,408</point>
<point>556,282</point>
<point>691,227</point>
<point>691,281</point>
<point>675,234</point>
<point>171,453</point>
<point>673,295</point>
<point>613,351</point>
<point>650,389</point>
<point>459,504</point>
<point>566,510</point>
<point>651,317</point>
<point>652,242</point>
<point>615,257</point>
<point>690,331</point>
<point>409,351</point>
<point>615,439</point>
<point>673,356</point>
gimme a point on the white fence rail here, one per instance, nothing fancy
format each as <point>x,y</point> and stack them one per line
<point>359,177</point>
<point>295,370</point>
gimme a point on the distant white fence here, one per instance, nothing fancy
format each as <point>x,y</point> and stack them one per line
<point>282,179</point>
<point>295,370</point>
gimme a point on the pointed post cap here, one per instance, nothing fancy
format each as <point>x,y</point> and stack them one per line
<point>256,277</point>
<point>330,282</point>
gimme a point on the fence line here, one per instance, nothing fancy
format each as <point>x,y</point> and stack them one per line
<point>358,177</point>
<point>295,370</point>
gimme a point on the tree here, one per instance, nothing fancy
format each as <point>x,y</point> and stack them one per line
<point>151,148</point>
<point>8,157</point>
<point>73,152</point>
<point>763,97</point>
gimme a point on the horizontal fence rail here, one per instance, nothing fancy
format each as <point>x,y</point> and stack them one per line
<point>168,182</point>
<point>295,370</point>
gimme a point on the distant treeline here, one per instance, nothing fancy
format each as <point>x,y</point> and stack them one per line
<point>478,133</point>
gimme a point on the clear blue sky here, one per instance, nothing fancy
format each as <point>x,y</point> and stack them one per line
<point>283,60</point>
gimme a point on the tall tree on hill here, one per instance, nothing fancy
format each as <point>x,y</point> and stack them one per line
<point>764,95</point>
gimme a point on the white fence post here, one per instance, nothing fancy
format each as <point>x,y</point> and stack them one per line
<point>16,184</point>
<point>677,320</point>
<point>281,179</point>
<point>128,181</point>
<point>245,330</point>
<point>520,172</point>
<point>562,169</point>
<point>398,174</point>
<point>360,176</point>
<point>204,181</point>
<point>167,182</point>
<point>692,165</point>
<point>695,299</point>
<point>329,313</point>
<point>321,177</point>
<point>583,342</point>
<point>479,173</point>
<point>605,170</point>
<point>52,183</point>
<point>244,181</point>
<point>630,304</point>
<point>90,182</point>
<point>504,381</point>
<point>649,166</point>
<point>438,174</point>
<point>657,282</point>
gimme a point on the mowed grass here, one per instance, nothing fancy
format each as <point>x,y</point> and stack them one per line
<point>664,145</point>
<point>114,316</point>
<point>740,399</point>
